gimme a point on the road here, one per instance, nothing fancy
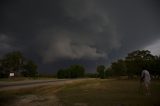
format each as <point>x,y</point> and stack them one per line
<point>32,83</point>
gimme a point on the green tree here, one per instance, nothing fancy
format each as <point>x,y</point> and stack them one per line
<point>74,71</point>
<point>101,71</point>
<point>108,72</point>
<point>77,71</point>
<point>61,73</point>
<point>12,62</point>
<point>154,67</point>
<point>137,60</point>
<point>15,62</point>
<point>119,68</point>
<point>30,69</point>
<point>3,74</point>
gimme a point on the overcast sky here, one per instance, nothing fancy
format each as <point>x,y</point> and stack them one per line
<point>59,33</point>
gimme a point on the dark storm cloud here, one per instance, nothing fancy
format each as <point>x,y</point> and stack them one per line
<point>87,31</point>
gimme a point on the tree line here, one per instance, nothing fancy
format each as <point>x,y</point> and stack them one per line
<point>74,71</point>
<point>132,65</point>
<point>15,62</point>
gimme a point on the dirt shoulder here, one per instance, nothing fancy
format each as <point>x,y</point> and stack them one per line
<point>33,83</point>
<point>41,94</point>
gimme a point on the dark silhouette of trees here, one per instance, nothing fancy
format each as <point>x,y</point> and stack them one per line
<point>101,71</point>
<point>3,73</point>
<point>12,62</point>
<point>119,68</point>
<point>108,72</point>
<point>154,66</point>
<point>62,73</point>
<point>15,62</point>
<point>74,71</point>
<point>137,60</point>
<point>30,69</point>
<point>133,64</point>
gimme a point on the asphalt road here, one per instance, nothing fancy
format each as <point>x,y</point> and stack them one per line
<point>23,84</point>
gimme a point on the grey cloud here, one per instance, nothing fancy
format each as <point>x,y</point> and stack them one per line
<point>154,47</point>
<point>64,47</point>
<point>92,31</point>
<point>6,44</point>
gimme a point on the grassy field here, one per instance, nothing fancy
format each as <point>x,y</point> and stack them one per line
<point>92,92</point>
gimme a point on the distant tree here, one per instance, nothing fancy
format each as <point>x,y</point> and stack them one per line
<point>91,75</point>
<point>131,69</point>
<point>12,62</point>
<point>3,74</point>
<point>136,60</point>
<point>157,62</point>
<point>154,67</point>
<point>61,73</point>
<point>108,72</point>
<point>30,69</point>
<point>77,71</point>
<point>119,68</point>
<point>158,66</point>
<point>74,71</point>
<point>134,63</point>
<point>16,63</point>
<point>101,71</point>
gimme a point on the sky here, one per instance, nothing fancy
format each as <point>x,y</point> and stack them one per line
<point>59,33</point>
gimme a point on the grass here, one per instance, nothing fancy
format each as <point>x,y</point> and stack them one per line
<point>9,97</point>
<point>95,92</point>
<point>109,93</point>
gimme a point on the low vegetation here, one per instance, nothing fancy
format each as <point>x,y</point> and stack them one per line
<point>109,93</point>
<point>89,92</point>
